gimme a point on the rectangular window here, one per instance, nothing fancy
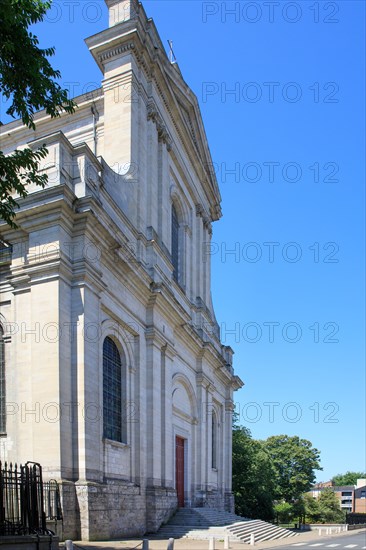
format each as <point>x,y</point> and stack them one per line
<point>112,392</point>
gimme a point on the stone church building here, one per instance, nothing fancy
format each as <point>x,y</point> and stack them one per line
<point>112,373</point>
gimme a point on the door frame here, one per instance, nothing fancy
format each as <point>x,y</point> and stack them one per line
<point>182,484</point>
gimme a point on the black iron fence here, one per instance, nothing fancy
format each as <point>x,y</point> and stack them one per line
<point>355,518</point>
<point>52,500</point>
<point>26,502</point>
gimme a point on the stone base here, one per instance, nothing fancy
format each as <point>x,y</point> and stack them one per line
<point>229,502</point>
<point>114,509</point>
<point>215,500</point>
<point>111,510</point>
<point>161,503</point>
<point>71,512</point>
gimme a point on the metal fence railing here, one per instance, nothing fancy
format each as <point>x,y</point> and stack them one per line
<point>355,518</point>
<point>26,502</point>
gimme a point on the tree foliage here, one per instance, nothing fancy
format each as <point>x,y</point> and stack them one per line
<point>284,511</point>
<point>325,509</point>
<point>349,478</point>
<point>252,476</point>
<point>272,475</point>
<point>294,461</point>
<point>29,82</point>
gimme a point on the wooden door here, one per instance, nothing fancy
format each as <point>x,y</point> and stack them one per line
<point>179,470</point>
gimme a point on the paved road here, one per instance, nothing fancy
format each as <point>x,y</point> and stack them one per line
<point>352,541</point>
<point>306,541</point>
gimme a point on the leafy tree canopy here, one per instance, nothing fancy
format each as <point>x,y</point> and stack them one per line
<point>349,478</point>
<point>284,511</point>
<point>325,509</point>
<point>252,476</point>
<point>28,81</point>
<point>294,461</point>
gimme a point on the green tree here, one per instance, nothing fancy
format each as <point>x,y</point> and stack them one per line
<point>295,461</point>
<point>28,81</point>
<point>284,512</point>
<point>349,478</point>
<point>312,510</point>
<point>330,507</point>
<point>252,476</point>
<point>325,509</point>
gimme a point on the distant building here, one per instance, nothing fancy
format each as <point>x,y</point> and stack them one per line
<point>360,497</point>
<point>352,497</point>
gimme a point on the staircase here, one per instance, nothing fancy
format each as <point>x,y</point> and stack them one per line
<point>204,523</point>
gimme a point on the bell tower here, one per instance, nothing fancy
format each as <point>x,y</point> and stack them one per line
<point>113,50</point>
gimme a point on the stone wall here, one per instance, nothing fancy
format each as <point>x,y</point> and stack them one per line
<point>214,499</point>
<point>111,510</point>
<point>95,511</point>
<point>229,502</point>
<point>70,511</point>
<point>161,504</point>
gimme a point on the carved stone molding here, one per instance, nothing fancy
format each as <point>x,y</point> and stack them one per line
<point>199,210</point>
<point>118,50</point>
<point>154,116</point>
<point>207,224</point>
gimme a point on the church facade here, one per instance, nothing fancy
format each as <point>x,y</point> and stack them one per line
<point>112,373</point>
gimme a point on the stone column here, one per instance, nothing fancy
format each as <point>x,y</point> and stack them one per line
<point>228,445</point>
<point>199,244</point>
<point>207,260</point>
<point>203,430</point>
<point>167,450</point>
<point>154,345</point>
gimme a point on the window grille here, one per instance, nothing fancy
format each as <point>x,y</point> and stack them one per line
<point>113,421</point>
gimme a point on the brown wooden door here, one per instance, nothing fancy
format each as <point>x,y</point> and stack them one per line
<point>179,470</point>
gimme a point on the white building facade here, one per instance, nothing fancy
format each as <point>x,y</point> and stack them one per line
<point>112,374</point>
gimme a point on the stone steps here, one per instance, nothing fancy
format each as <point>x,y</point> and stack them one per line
<point>262,531</point>
<point>204,523</point>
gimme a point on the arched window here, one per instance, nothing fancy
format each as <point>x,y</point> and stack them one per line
<point>214,440</point>
<point>2,383</point>
<point>175,244</point>
<point>114,387</point>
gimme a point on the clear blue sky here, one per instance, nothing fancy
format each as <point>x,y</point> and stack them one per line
<point>289,146</point>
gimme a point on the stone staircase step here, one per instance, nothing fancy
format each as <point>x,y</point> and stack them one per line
<point>203,523</point>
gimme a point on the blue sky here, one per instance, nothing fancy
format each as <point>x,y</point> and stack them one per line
<point>288,144</point>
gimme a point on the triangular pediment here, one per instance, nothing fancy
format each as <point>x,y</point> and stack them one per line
<point>187,104</point>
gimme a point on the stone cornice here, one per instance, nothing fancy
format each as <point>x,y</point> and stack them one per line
<point>236,383</point>
<point>114,52</point>
<point>17,130</point>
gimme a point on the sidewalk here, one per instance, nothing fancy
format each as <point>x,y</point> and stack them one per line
<point>189,544</point>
